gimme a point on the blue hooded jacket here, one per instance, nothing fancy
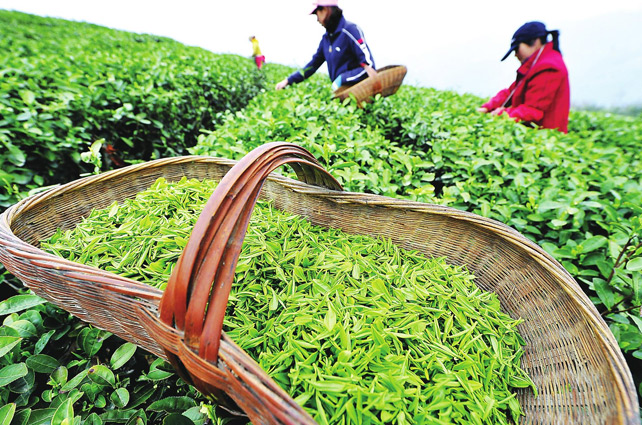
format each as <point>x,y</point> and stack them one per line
<point>346,52</point>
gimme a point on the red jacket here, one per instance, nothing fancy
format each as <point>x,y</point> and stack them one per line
<point>542,93</point>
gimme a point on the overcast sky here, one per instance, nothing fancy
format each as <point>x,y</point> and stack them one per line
<point>453,45</point>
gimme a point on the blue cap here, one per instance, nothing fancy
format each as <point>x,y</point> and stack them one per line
<point>527,32</point>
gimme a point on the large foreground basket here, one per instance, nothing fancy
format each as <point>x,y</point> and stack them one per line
<point>571,355</point>
<point>386,83</point>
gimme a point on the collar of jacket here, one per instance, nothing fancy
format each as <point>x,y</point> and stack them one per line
<point>526,66</point>
<point>340,26</point>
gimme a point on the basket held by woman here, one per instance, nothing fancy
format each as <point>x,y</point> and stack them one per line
<point>386,83</point>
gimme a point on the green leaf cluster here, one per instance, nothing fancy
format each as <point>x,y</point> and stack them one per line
<point>65,85</point>
<point>55,369</point>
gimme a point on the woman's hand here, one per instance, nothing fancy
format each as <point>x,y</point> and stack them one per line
<point>282,84</point>
<point>370,70</point>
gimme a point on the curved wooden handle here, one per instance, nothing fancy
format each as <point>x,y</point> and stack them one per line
<point>198,289</point>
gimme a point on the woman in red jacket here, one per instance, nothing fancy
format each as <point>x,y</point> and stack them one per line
<point>540,94</point>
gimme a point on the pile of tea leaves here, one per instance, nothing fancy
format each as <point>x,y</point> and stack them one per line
<point>355,329</point>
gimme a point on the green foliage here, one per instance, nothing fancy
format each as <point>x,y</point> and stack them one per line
<point>578,195</point>
<point>64,85</point>
<point>56,369</point>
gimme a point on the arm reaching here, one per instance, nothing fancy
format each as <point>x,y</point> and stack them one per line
<point>282,84</point>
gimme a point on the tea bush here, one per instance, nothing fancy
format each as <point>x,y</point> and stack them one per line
<point>55,369</point>
<point>65,85</point>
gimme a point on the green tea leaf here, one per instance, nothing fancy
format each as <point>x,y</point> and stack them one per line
<point>120,397</point>
<point>604,292</point>
<point>593,243</point>
<point>122,355</point>
<point>12,372</point>
<point>19,303</point>
<point>42,363</point>
<point>74,382</point>
<point>102,375</point>
<point>25,328</point>
<point>64,414</point>
<point>6,413</point>
<point>7,343</point>
<point>634,265</point>
<point>172,404</point>
<point>93,419</point>
<point>90,340</point>
<point>177,419</point>
<point>41,416</point>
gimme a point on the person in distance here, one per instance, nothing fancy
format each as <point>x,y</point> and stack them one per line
<point>540,95</point>
<point>259,59</point>
<point>343,47</point>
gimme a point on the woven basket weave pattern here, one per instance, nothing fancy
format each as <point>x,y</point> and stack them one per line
<point>386,83</point>
<point>571,355</point>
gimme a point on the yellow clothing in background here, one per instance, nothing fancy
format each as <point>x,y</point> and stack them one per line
<point>256,51</point>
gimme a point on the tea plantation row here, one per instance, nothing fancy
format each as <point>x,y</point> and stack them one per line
<point>578,195</point>
<point>66,85</point>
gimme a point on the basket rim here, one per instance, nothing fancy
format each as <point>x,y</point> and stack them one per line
<point>566,282</point>
<point>381,72</point>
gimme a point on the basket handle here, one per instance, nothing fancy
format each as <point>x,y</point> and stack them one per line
<point>198,289</point>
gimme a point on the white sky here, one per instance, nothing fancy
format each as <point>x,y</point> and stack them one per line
<point>450,45</point>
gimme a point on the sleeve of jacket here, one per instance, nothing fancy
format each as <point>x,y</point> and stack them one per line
<point>542,88</point>
<point>317,60</point>
<point>360,49</point>
<point>499,99</point>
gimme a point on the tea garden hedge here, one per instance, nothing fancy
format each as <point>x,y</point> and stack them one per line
<point>77,98</point>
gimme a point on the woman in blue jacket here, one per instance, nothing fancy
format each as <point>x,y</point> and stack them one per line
<point>343,47</point>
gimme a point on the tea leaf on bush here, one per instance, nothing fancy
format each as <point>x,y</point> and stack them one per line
<point>41,416</point>
<point>93,419</point>
<point>177,419</point>
<point>59,376</point>
<point>19,303</point>
<point>74,382</point>
<point>90,340</point>
<point>12,372</point>
<point>120,397</point>
<point>64,414</point>
<point>102,375</point>
<point>42,341</point>
<point>42,363</point>
<point>172,404</point>
<point>635,264</point>
<point>7,343</point>
<point>118,416</point>
<point>6,413</point>
<point>138,418</point>
<point>122,355</point>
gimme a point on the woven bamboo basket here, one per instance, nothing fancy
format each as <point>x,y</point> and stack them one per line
<point>386,83</point>
<point>571,355</point>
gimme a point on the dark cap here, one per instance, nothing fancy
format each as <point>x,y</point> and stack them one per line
<point>527,32</point>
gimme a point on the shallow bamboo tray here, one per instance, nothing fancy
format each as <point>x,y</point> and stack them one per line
<point>386,83</point>
<point>571,355</point>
